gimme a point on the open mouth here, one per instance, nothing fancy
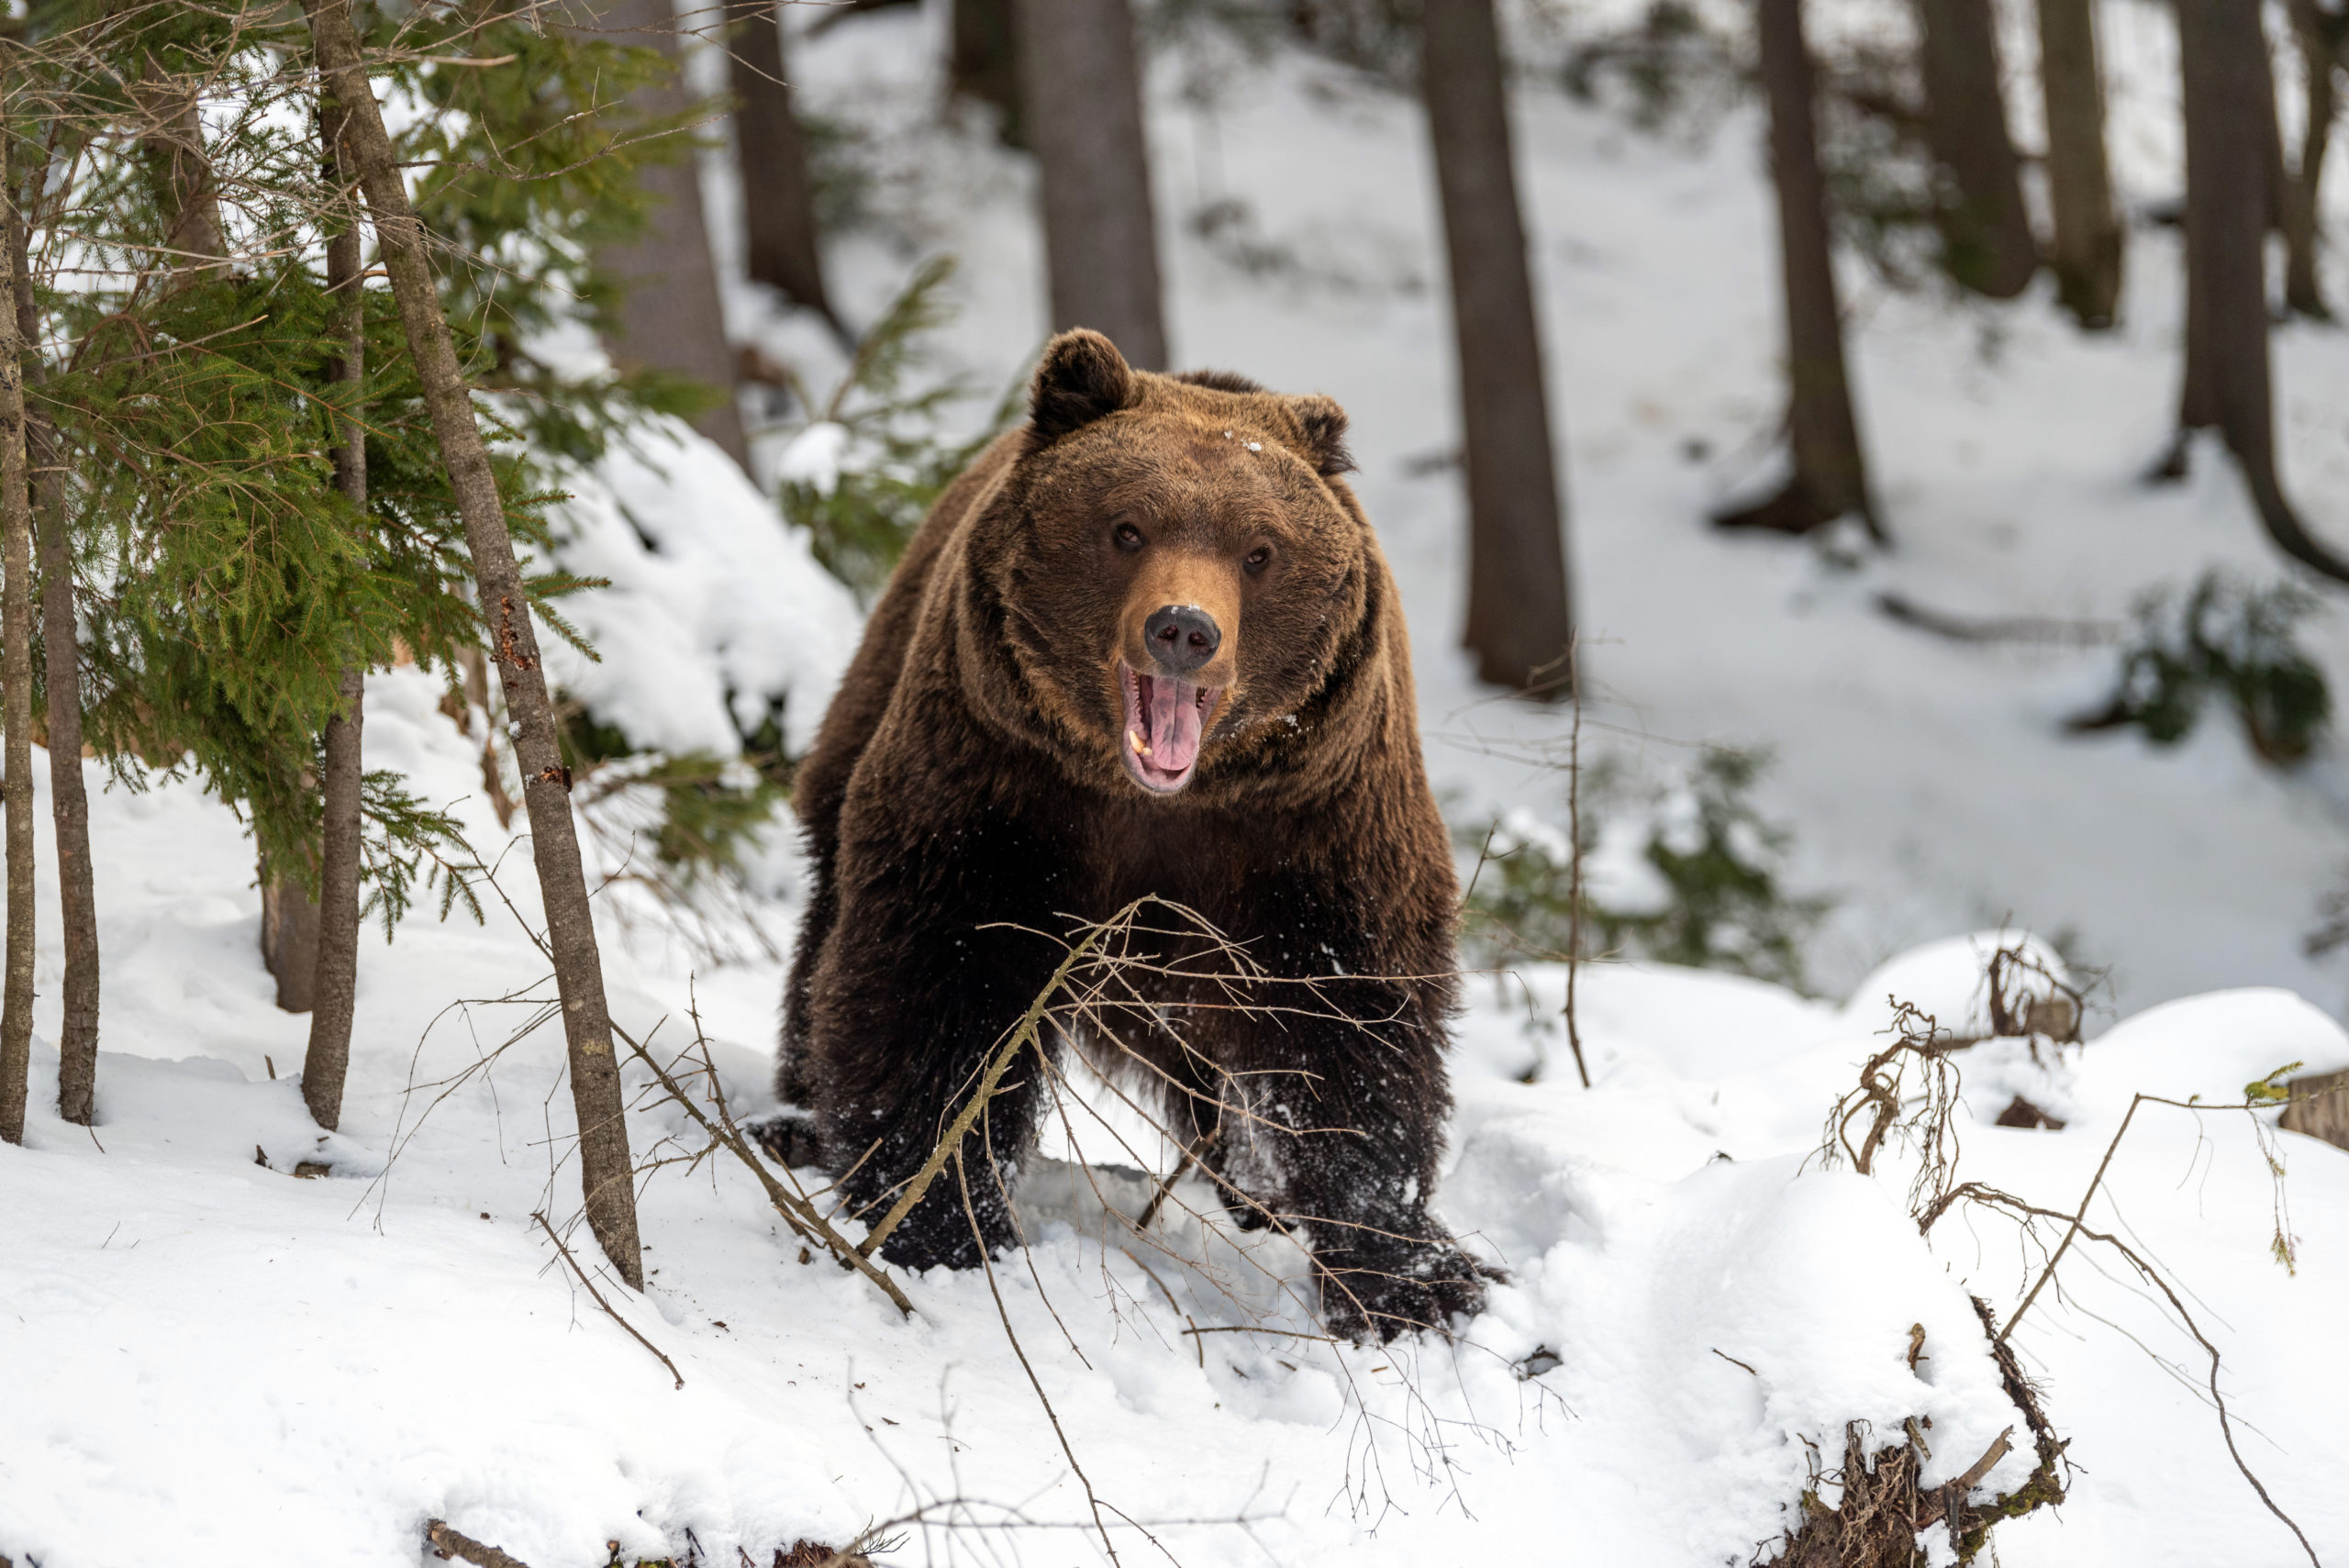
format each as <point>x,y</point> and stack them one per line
<point>1165,719</point>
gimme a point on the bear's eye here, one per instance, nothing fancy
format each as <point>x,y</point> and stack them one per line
<point>1128,535</point>
<point>1259,558</point>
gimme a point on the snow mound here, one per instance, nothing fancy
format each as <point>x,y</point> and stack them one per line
<point>719,615</point>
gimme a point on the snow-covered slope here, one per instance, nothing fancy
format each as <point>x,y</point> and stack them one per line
<point>205,1361</point>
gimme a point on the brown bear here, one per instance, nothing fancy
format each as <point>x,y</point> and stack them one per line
<point>1145,644</point>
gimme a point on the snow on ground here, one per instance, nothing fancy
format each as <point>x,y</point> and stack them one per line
<point>209,1360</point>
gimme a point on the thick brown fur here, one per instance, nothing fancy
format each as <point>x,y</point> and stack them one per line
<point>968,779</point>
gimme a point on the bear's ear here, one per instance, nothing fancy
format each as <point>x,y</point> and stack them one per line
<point>1324,424</point>
<point>1081,378</point>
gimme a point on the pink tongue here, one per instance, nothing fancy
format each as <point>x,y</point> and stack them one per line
<point>1173,725</point>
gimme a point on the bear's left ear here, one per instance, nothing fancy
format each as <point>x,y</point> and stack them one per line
<point>1083,377</point>
<point>1324,425</point>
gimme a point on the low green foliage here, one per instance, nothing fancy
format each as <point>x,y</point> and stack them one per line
<point>2223,638</point>
<point>1685,871</point>
<point>863,472</point>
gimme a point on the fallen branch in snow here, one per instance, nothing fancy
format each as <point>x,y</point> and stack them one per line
<point>607,1306</point>
<point>797,1210</point>
<point>446,1543</point>
<point>2045,630</point>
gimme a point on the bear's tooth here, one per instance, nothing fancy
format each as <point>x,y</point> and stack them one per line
<point>1133,738</point>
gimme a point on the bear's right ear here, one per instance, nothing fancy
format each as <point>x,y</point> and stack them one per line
<point>1081,378</point>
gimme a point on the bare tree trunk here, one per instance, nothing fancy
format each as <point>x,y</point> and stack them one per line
<point>1829,478</point>
<point>1985,228</point>
<point>778,196</point>
<point>2222,53</point>
<point>1520,620</point>
<point>77,1040</point>
<point>15,689</point>
<point>2319,33</point>
<point>1082,87</point>
<point>670,318</point>
<point>606,1171</point>
<point>289,930</point>
<point>334,994</point>
<point>983,62</point>
<point>2089,239</point>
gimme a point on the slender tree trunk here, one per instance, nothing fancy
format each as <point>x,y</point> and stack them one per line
<point>1081,88</point>
<point>983,62</point>
<point>16,690</point>
<point>778,196</point>
<point>2222,53</point>
<point>77,1040</point>
<point>670,318</point>
<point>2319,33</point>
<point>606,1171</point>
<point>1521,621</point>
<point>1829,478</point>
<point>1985,228</point>
<point>2089,239</point>
<point>334,993</point>
<point>289,930</point>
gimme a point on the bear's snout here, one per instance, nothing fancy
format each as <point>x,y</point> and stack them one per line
<point>1181,638</point>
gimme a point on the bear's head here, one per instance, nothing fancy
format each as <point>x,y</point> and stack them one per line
<point>1176,566</point>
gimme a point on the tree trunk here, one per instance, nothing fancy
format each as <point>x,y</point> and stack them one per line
<point>670,318</point>
<point>77,1040</point>
<point>1082,92</point>
<point>2319,33</point>
<point>334,994</point>
<point>778,197</point>
<point>983,62</point>
<point>2089,239</point>
<point>1521,621</point>
<point>1829,478</point>
<point>606,1171</point>
<point>289,932</point>
<point>2222,53</point>
<point>16,690</point>
<point>1985,228</point>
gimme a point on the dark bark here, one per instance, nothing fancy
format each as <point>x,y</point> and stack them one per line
<point>2224,62</point>
<point>606,1171</point>
<point>334,992</point>
<point>1829,478</point>
<point>16,690</point>
<point>983,62</point>
<point>1082,87</point>
<point>77,1040</point>
<point>2089,239</point>
<point>1986,244</point>
<point>2319,33</point>
<point>778,196</point>
<point>289,933</point>
<point>669,316</point>
<point>1521,621</point>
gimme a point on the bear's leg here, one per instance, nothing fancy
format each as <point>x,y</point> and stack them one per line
<point>1347,1099</point>
<point>923,980</point>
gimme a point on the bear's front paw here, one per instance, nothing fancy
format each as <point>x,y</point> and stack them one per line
<point>1380,1286</point>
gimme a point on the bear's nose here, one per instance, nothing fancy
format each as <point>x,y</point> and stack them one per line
<point>1181,638</point>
